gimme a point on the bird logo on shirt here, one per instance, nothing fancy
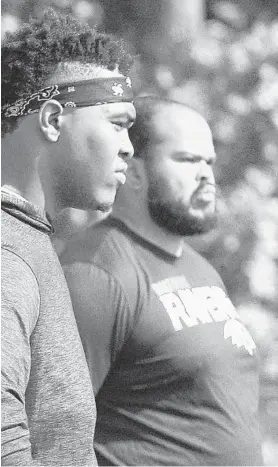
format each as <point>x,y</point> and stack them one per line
<point>239,335</point>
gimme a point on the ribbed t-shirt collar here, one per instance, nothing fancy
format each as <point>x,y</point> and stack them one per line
<point>158,238</point>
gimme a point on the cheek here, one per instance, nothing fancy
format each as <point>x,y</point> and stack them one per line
<point>182,182</point>
<point>94,155</point>
<point>91,138</point>
<point>102,148</point>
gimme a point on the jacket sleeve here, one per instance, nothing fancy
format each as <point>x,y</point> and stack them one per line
<point>20,308</point>
<point>103,316</point>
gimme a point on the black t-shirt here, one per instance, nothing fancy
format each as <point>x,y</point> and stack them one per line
<point>174,370</point>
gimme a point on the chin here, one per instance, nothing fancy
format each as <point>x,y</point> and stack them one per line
<point>203,225</point>
<point>105,208</point>
<point>179,221</point>
<point>200,223</point>
<point>105,205</point>
<point>103,200</point>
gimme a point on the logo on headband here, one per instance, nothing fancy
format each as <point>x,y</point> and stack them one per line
<point>30,104</point>
<point>117,89</point>
<point>83,93</point>
<point>128,82</point>
<point>70,104</point>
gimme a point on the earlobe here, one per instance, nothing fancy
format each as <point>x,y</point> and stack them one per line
<point>49,120</point>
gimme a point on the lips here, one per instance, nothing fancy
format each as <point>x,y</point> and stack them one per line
<point>121,174</point>
<point>121,177</point>
<point>206,189</point>
<point>122,169</point>
<point>205,194</point>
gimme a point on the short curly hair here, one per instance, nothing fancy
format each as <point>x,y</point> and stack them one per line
<point>32,55</point>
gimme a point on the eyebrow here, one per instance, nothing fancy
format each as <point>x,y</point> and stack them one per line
<point>196,156</point>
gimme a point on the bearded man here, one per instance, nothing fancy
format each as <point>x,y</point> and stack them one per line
<point>174,371</point>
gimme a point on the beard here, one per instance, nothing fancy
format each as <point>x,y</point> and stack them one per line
<point>174,216</point>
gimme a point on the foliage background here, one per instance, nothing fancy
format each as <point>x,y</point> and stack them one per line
<point>221,58</point>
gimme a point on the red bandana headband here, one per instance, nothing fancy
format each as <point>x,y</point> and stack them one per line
<point>79,94</point>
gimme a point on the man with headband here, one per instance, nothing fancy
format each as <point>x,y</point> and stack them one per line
<point>66,110</point>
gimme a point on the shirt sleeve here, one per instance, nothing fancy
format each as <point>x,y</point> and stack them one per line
<point>103,316</point>
<point>20,308</point>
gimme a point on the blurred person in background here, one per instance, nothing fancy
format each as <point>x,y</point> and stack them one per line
<point>67,106</point>
<point>174,371</point>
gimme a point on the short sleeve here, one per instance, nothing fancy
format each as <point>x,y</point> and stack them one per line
<point>103,316</point>
<point>20,309</point>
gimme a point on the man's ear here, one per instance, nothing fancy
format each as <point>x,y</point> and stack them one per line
<point>136,173</point>
<point>50,121</point>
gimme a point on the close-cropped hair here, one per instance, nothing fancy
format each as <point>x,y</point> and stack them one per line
<point>142,133</point>
<point>32,55</point>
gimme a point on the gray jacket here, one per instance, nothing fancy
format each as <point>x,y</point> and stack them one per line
<point>48,407</point>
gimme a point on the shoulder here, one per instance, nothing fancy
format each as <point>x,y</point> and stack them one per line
<point>20,291</point>
<point>105,247</point>
<point>33,246</point>
<point>102,263</point>
<point>204,271</point>
<point>15,269</point>
<point>19,277</point>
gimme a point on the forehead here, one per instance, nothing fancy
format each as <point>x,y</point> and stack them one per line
<point>97,113</point>
<point>119,109</point>
<point>76,71</point>
<point>182,129</point>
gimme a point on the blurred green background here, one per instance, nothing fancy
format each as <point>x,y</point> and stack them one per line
<point>221,57</point>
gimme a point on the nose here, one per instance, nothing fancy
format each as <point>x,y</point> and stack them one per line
<point>205,171</point>
<point>126,149</point>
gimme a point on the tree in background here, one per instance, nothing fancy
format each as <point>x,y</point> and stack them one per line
<point>221,58</point>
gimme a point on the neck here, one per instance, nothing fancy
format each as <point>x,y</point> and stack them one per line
<point>132,209</point>
<point>20,172</point>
